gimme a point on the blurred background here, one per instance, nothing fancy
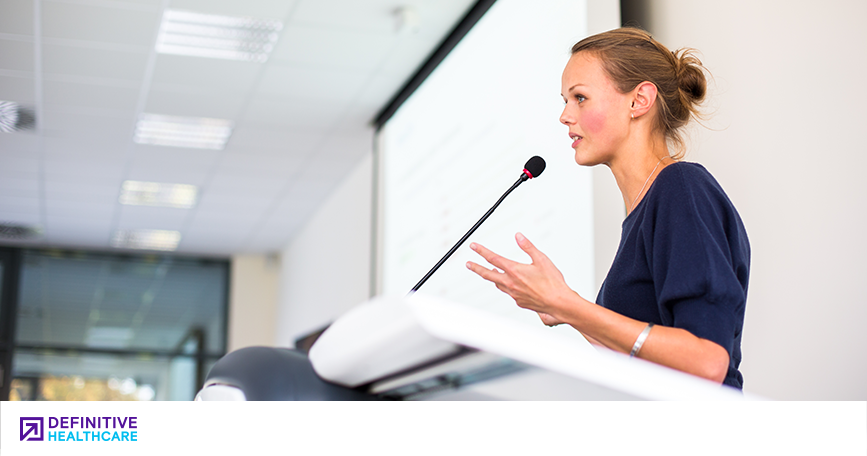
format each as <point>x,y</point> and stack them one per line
<point>182,178</point>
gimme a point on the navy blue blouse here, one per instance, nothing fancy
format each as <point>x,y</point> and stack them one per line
<point>684,261</point>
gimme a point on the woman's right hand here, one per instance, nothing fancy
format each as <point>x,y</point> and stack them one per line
<point>548,320</point>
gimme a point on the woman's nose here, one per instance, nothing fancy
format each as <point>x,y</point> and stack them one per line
<point>566,118</point>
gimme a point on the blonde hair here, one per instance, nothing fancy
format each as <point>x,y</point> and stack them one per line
<point>631,56</point>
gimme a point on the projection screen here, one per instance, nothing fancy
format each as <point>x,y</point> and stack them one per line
<point>462,139</point>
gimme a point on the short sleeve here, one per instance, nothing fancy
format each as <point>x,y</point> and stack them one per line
<point>691,261</point>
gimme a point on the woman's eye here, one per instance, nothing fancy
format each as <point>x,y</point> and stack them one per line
<point>580,98</point>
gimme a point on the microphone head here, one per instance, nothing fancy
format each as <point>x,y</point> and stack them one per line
<point>534,166</point>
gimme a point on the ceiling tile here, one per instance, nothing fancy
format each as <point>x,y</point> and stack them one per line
<point>82,191</point>
<point>22,166</point>
<point>272,242</point>
<point>98,23</point>
<point>183,103</point>
<point>112,142</point>
<point>84,148</point>
<point>252,186</point>
<point>277,165</point>
<point>276,231</point>
<point>19,187</point>
<point>436,17</point>
<point>111,129</point>
<point>224,222</point>
<point>132,3</point>
<point>260,9</point>
<point>295,114</point>
<point>76,223</point>
<point>19,90</point>
<point>19,205</point>
<point>205,73</point>
<point>16,16</point>
<point>102,63</point>
<point>16,55</point>
<point>94,179</point>
<point>78,209</point>
<point>24,218</point>
<point>369,16</point>
<point>217,232</point>
<point>90,96</point>
<point>228,204</point>
<point>92,170</point>
<point>24,144</point>
<point>273,139</point>
<point>332,48</point>
<point>311,83</point>
<point>77,232</point>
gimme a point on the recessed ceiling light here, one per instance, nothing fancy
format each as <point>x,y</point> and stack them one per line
<point>217,37</point>
<point>174,131</point>
<point>139,193</point>
<point>146,239</point>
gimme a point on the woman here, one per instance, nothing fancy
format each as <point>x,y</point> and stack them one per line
<point>676,292</point>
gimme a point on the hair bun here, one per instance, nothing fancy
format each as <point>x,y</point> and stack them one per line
<point>690,78</point>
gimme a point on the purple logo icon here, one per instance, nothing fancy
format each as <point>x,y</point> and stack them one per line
<point>32,428</point>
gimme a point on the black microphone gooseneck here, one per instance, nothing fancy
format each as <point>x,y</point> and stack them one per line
<point>532,168</point>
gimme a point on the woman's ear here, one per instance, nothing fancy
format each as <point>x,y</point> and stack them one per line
<point>643,98</point>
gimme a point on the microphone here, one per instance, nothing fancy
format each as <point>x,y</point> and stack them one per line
<point>533,168</point>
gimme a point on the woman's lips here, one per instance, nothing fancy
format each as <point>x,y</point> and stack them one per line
<point>576,139</point>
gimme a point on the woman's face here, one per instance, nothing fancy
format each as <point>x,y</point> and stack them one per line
<point>596,113</point>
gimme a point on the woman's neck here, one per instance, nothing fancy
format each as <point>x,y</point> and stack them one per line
<point>636,167</point>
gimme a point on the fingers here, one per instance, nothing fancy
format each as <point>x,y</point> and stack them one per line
<point>491,257</point>
<point>485,273</point>
<point>528,247</point>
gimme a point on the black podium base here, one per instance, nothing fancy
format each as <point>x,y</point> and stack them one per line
<point>277,374</point>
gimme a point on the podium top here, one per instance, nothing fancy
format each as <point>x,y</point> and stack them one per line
<point>387,335</point>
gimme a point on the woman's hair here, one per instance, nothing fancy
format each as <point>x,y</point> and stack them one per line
<point>631,56</point>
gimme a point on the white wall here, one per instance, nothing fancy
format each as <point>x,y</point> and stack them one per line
<point>326,267</point>
<point>789,149</point>
<point>253,297</point>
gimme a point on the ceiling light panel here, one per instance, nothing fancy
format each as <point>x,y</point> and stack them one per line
<point>218,37</point>
<point>138,193</point>
<point>174,131</point>
<point>146,239</point>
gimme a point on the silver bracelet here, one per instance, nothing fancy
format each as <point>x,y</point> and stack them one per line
<point>640,341</point>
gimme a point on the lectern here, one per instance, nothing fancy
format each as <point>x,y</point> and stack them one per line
<point>420,347</point>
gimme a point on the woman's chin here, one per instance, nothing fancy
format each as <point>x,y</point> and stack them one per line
<point>585,159</point>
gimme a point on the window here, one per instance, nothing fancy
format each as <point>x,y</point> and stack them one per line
<point>93,326</point>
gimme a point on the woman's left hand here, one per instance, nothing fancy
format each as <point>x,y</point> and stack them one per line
<point>537,286</point>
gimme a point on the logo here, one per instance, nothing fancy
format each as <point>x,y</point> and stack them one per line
<point>79,429</point>
<point>32,428</point>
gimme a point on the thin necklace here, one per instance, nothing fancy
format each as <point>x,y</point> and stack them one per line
<point>645,184</point>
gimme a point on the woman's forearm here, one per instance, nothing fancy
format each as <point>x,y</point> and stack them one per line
<point>672,347</point>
